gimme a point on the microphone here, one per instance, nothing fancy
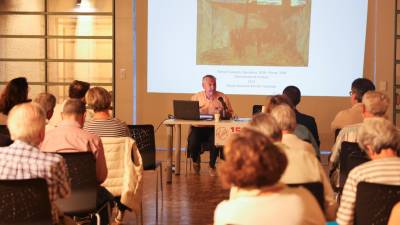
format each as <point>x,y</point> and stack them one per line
<point>223,103</point>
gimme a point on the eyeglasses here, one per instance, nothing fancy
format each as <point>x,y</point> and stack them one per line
<point>351,93</point>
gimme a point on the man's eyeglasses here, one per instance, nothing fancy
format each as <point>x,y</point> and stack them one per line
<point>351,93</point>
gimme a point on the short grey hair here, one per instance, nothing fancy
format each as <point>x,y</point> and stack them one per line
<point>26,122</point>
<point>285,117</point>
<point>378,133</point>
<point>267,125</point>
<point>47,101</point>
<point>376,103</point>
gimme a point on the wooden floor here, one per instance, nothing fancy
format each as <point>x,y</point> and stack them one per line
<point>190,199</point>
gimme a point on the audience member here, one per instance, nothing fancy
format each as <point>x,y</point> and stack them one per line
<point>69,136</point>
<point>374,104</point>
<point>15,92</point>
<point>303,166</point>
<point>354,114</point>
<point>23,160</point>
<point>76,90</point>
<point>254,166</point>
<point>286,119</point>
<point>300,131</point>
<point>294,94</point>
<point>47,101</point>
<point>381,140</point>
<point>102,123</point>
<point>209,101</point>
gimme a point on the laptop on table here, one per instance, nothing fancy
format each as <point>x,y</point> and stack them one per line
<point>189,110</point>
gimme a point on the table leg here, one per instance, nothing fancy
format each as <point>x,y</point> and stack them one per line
<point>178,149</point>
<point>170,132</point>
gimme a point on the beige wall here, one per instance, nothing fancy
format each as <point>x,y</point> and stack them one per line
<point>153,108</point>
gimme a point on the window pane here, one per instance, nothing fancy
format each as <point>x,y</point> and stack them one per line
<point>90,72</point>
<point>22,48</point>
<point>80,25</point>
<point>22,24</point>
<point>34,90</point>
<point>33,71</point>
<point>22,5</point>
<point>86,6</point>
<point>61,91</point>
<point>80,49</point>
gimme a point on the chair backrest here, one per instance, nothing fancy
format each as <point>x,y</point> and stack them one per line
<point>374,202</point>
<point>24,202</point>
<point>81,169</point>
<point>257,109</point>
<point>351,155</point>
<point>145,141</point>
<point>4,130</point>
<point>82,172</point>
<point>316,189</point>
<point>337,131</point>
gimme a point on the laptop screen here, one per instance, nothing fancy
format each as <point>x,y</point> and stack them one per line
<point>186,110</point>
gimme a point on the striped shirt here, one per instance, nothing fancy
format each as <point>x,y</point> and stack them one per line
<point>23,161</point>
<point>382,171</point>
<point>107,127</point>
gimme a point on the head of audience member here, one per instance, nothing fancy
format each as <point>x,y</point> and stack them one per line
<point>252,161</point>
<point>26,122</point>
<point>276,100</point>
<point>379,138</point>
<point>209,83</point>
<point>285,118</point>
<point>359,87</point>
<point>266,124</point>
<point>375,104</point>
<point>15,92</point>
<point>98,99</point>
<point>293,93</point>
<point>47,101</point>
<point>77,89</point>
<point>74,110</point>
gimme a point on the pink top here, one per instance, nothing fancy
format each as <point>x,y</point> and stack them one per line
<point>213,105</point>
<point>69,136</point>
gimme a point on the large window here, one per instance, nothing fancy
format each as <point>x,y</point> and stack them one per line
<point>52,42</point>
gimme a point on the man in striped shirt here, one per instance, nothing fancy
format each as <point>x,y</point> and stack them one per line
<point>380,139</point>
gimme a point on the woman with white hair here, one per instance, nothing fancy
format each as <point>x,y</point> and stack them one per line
<point>381,140</point>
<point>303,166</point>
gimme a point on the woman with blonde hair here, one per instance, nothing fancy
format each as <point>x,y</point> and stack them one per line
<point>103,124</point>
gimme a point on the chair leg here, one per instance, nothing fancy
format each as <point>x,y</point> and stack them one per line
<point>141,212</point>
<point>156,195</point>
<point>98,219</point>
<point>161,184</point>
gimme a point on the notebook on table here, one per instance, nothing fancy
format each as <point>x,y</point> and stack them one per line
<point>189,110</point>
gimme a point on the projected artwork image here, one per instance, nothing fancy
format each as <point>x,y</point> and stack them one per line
<point>253,32</point>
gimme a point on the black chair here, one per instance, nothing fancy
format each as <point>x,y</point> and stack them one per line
<point>316,189</point>
<point>374,203</point>
<point>25,202</point>
<point>82,202</point>
<point>4,130</point>
<point>337,131</point>
<point>257,109</point>
<point>351,155</point>
<point>145,141</point>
